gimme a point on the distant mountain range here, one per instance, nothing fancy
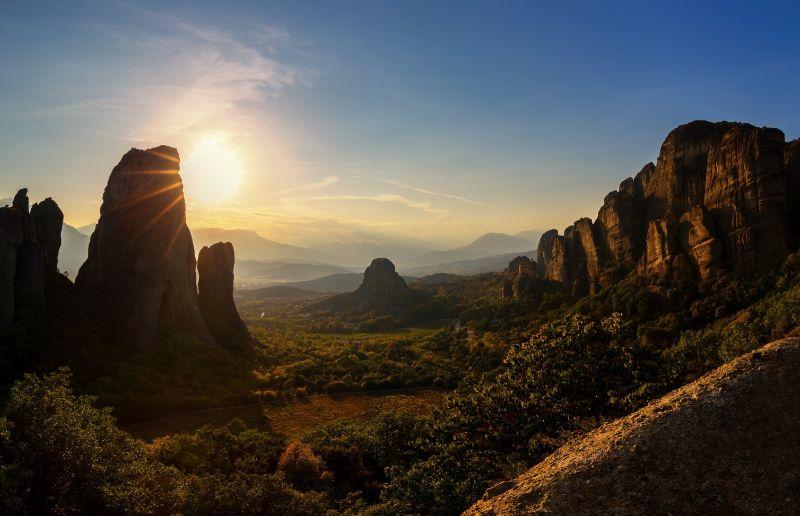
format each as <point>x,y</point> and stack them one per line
<point>74,250</point>
<point>492,263</point>
<point>251,246</point>
<point>331,267</point>
<point>251,274</point>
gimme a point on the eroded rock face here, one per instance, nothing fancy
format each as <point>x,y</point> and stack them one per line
<point>215,294</point>
<point>551,258</point>
<point>29,245</point>
<point>140,272</point>
<point>728,443</point>
<point>696,232</point>
<point>724,198</point>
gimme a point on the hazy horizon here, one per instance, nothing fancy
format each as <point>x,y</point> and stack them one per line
<point>330,122</point>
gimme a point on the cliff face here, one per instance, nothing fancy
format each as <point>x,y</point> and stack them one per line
<point>721,200</point>
<point>728,443</point>
<point>29,243</point>
<point>140,273</point>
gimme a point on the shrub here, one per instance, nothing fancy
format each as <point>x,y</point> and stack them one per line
<point>301,466</point>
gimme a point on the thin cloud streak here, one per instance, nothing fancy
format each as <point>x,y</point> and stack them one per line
<point>405,186</point>
<point>392,198</point>
<point>319,185</point>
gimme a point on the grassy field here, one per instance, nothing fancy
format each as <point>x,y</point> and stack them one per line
<point>295,418</point>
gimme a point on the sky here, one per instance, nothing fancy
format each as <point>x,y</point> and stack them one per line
<point>432,120</point>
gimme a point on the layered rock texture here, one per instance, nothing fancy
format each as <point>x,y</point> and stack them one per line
<point>383,291</point>
<point>722,200</point>
<point>728,443</point>
<point>215,294</point>
<point>29,244</point>
<point>139,276</point>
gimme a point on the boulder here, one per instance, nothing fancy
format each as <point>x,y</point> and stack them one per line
<point>139,276</point>
<point>728,443</point>
<point>215,294</point>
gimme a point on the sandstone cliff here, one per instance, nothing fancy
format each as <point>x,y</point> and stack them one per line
<point>728,443</point>
<point>139,276</point>
<point>722,200</point>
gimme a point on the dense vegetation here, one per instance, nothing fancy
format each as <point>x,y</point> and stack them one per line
<point>529,375</point>
<point>298,362</point>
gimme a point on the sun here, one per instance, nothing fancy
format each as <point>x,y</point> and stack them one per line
<point>211,170</point>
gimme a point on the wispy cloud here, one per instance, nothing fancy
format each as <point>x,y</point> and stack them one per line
<point>184,76</point>
<point>319,185</point>
<point>391,198</point>
<point>406,186</point>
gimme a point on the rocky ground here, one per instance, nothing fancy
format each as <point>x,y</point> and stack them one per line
<point>728,443</point>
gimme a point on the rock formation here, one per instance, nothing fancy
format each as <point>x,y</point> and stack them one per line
<point>11,231</point>
<point>723,199</point>
<point>215,294</point>
<point>383,292</point>
<point>139,276</point>
<point>728,443</point>
<point>29,244</point>
<point>518,277</point>
<point>48,221</point>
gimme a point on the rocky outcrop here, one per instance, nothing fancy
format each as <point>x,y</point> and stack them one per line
<point>139,277</point>
<point>728,443</point>
<point>519,277</point>
<point>723,199</point>
<point>383,292</point>
<point>215,294</point>
<point>48,221</point>
<point>551,258</point>
<point>11,234</point>
<point>29,245</point>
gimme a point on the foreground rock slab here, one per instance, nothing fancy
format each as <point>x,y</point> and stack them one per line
<point>728,443</point>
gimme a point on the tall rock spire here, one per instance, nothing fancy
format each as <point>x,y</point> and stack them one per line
<point>140,273</point>
<point>215,289</point>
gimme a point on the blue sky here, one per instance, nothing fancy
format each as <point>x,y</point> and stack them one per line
<point>435,120</point>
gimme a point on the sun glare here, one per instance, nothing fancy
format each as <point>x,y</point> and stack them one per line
<point>211,171</point>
